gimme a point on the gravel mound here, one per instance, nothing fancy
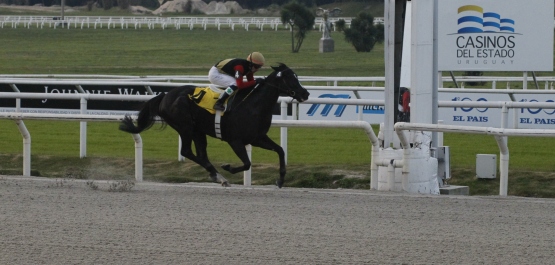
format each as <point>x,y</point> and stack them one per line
<point>213,8</point>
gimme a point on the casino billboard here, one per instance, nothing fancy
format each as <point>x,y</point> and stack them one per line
<point>495,35</point>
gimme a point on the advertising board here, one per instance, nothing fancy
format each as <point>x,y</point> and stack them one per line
<point>494,35</point>
<point>466,116</point>
<point>487,117</point>
<point>56,106</point>
<point>94,107</point>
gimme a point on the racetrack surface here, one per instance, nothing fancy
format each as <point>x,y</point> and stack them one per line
<point>48,221</point>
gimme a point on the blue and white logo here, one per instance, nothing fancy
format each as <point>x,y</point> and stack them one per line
<point>473,19</point>
<point>328,107</point>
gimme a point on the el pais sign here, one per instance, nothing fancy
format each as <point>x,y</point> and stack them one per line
<point>495,35</point>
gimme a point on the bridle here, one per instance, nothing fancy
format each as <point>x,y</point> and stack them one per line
<point>280,85</point>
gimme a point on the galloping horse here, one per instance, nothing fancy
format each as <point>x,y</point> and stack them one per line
<point>247,122</point>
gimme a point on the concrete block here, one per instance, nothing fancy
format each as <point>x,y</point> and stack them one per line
<point>454,190</point>
<point>326,45</point>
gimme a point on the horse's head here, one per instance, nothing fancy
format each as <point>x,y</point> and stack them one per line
<point>287,82</point>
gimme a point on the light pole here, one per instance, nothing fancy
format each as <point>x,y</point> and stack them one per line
<point>63,6</point>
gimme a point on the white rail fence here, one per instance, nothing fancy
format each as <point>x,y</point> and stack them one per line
<point>17,116</point>
<point>544,82</point>
<point>138,22</point>
<point>500,135</point>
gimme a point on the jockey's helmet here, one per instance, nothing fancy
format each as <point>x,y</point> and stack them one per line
<point>256,58</point>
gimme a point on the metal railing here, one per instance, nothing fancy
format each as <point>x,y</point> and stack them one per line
<point>18,117</point>
<point>500,135</point>
<point>153,22</point>
<point>548,81</point>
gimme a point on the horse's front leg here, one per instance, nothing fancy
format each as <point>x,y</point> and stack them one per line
<point>266,143</point>
<point>241,152</point>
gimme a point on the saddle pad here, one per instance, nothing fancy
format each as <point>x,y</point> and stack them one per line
<point>205,97</point>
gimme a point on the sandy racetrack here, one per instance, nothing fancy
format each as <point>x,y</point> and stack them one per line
<point>46,222</point>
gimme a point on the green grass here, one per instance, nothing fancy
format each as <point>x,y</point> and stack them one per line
<point>171,52</point>
<point>61,138</point>
<point>317,157</point>
<point>110,156</point>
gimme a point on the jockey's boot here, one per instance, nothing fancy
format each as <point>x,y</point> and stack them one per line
<point>227,92</point>
<point>221,100</point>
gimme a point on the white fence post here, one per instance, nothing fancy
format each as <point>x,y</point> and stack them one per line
<point>26,147</point>
<point>248,173</point>
<point>138,157</point>
<point>83,131</point>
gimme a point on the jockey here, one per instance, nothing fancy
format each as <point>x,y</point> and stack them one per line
<point>230,72</point>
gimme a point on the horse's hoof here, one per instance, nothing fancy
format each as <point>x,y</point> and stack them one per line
<point>225,184</point>
<point>227,167</point>
<point>279,183</point>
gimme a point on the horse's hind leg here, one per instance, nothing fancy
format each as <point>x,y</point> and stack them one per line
<point>202,155</point>
<point>201,158</point>
<point>266,143</point>
<point>178,115</point>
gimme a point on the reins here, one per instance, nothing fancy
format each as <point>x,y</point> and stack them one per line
<point>279,87</point>
<point>243,100</point>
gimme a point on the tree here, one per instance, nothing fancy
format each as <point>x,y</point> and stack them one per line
<point>363,33</point>
<point>123,4</point>
<point>107,4</point>
<point>300,19</point>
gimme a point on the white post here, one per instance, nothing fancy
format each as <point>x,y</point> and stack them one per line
<point>180,158</point>
<point>435,72</point>
<point>504,115</point>
<point>524,80</point>
<point>515,118</point>
<point>26,147</point>
<point>283,130</point>
<point>422,53</point>
<point>391,177</point>
<point>389,59</point>
<point>83,131</point>
<point>138,157</point>
<point>440,79</point>
<point>440,134</point>
<point>247,173</point>
<point>503,164</point>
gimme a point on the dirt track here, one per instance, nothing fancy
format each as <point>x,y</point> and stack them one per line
<point>47,222</point>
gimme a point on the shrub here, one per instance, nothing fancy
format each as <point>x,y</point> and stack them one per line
<point>363,34</point>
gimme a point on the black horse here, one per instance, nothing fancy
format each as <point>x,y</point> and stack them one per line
<point>247,122</point>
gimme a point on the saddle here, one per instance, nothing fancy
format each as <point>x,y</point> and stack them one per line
<point>206,97</point>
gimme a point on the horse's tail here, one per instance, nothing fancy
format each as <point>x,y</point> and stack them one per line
<point>147,116</point>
